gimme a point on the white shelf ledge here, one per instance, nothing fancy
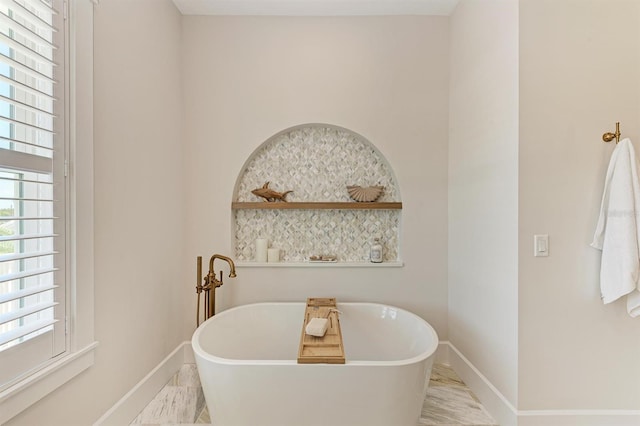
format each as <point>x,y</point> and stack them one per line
<point>394,264</point>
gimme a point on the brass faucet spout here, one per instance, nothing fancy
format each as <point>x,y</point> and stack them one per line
<point>232,266</point>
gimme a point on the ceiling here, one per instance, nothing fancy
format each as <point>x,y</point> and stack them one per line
<point>316,7</point>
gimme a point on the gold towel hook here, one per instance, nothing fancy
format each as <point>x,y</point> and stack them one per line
<point>608,137</point>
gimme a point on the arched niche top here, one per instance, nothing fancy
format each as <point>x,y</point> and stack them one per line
<point>316,162</point>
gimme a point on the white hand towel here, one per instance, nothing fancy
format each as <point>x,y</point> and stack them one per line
<point>618,229</point>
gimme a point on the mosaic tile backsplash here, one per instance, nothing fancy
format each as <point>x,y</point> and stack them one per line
<point>317,163</point>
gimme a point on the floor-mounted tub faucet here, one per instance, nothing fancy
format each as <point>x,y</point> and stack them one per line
<point>210,285</point>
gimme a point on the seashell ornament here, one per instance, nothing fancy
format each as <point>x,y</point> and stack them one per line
<point>365,195</point>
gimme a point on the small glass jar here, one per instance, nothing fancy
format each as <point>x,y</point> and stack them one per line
<point>375,255</point>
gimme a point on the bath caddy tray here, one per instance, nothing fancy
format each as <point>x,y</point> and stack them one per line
<point>321,350</point>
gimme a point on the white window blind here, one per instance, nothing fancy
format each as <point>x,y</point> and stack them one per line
<point>32,187</point>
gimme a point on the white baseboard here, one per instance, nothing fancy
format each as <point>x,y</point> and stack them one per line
<point>442,353</point>
<point>578,417</point>
<point>189,357</point>
<point>493,400</point>
<point>134,401</point>
<point>506,414</point>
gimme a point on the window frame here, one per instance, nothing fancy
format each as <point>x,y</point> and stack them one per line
<point>80,259</point>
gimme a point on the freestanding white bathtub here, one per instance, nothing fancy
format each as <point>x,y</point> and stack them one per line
<point>246,358</point>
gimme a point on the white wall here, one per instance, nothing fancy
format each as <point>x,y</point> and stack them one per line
<point>483,189</point>
<point>579,74</point>
<point>138,208</point>
<point>246,78</point>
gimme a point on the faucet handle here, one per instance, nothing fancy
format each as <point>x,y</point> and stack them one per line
<point>219,282</point>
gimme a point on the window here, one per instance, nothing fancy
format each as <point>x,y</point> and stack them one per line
<point>33,188</point>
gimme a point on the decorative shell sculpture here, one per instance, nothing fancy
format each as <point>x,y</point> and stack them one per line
<point>365,195</point>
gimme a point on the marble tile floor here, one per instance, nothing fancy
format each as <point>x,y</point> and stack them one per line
<point>449,402</point>
<point>179,402</point>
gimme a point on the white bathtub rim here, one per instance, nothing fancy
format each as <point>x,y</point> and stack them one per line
<point>198,351</point>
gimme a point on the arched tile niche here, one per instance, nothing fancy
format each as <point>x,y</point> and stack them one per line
<point>316,162</point>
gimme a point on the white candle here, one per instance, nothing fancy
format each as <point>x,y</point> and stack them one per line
<point>261,249</point>
<point>273,255</point>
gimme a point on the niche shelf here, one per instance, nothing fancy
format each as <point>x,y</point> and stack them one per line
<point>316,162</point>
<point>322,205</point>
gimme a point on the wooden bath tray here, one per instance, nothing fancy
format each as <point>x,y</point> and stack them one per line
<point>321,350</point>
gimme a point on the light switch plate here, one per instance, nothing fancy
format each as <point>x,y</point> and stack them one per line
<point>541,245</point>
